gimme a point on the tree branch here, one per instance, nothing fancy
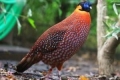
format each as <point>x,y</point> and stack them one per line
<point>101,13</point>
<point>106,54</point>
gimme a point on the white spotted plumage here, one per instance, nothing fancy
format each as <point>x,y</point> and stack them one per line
<point>59,42</point>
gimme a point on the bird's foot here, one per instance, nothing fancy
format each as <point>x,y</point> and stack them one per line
<point>46,78</point>
<point>60,78</point>
<point>52,77</point>
<point>59,75</point>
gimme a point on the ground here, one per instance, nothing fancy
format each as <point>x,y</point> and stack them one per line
<point>72,68</point>
<point>82,66</point>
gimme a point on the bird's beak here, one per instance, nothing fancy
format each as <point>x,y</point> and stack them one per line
<point>90,7</point>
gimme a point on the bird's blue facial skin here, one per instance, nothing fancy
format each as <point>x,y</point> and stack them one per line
<point>86,6</point>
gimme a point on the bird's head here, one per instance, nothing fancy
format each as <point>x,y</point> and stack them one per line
<point>84,6</point>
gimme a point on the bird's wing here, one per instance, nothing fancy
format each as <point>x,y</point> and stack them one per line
<point>49,43</point>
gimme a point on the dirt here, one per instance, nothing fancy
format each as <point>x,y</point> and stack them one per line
<point>73,69</point>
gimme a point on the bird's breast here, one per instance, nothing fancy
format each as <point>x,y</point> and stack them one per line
<point>77,28</point>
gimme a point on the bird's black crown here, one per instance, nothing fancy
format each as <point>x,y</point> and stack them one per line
<point>86,6</point>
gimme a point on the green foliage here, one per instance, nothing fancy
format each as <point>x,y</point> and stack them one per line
<point>110,7</point>
<point>46,13</point>
<point>112,29</point>
<point>115,9</point>
<point>3,11</point>
<point>18,26</point>
<point>31,21</point>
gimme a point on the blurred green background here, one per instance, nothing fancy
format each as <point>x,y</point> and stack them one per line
<point>47,13</point>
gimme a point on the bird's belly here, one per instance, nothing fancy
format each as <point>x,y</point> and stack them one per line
<point>57,57</point>
<point>66,50</point>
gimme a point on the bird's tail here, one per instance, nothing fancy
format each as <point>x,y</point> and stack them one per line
<point>27,62</point>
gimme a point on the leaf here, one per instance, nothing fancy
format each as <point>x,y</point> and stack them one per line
<point>119,16</point>
<point>60,12</point>
<point>115,35</point>
<point>31,21</point>
<point>3,10</point>
<point>19,26</point>
<point>107,26</point>
<point>108,35</point>
<point>2,7</point>
<point>29,14</point>
<point>113,27</point>
<point>115,9</point>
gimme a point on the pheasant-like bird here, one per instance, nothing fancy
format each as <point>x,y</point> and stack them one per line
<point>61,41</point>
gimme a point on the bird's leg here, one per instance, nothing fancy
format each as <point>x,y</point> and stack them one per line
<point>48,73</point>
<point>47,76</point>
<point>59,67</point>
<point>59,74</point>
